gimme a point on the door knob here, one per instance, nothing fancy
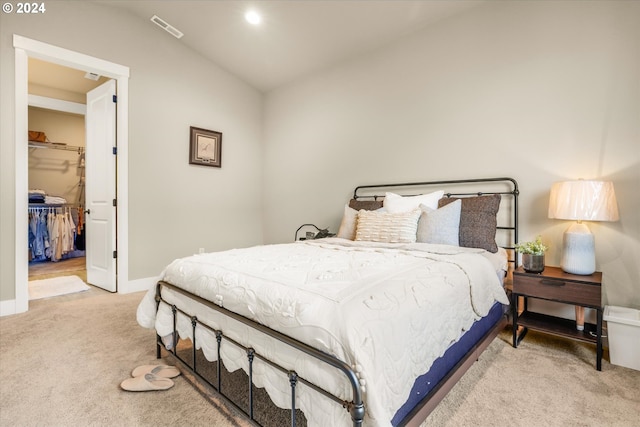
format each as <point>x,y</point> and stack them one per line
<point>88,211</point>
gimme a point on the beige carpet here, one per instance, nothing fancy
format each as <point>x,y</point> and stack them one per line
<point>546,381</point>
<point>62,362</point>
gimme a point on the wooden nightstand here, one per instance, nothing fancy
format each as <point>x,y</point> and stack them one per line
<point>553,284</point>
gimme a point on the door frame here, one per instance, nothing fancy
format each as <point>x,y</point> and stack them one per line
<point>26,48</point>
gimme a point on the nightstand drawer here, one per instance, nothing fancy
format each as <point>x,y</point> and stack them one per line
<point>556,289</point>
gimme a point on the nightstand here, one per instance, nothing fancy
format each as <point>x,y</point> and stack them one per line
<point>553,284</point>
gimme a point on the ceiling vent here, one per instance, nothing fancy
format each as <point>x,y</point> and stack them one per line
<point>166,26</point>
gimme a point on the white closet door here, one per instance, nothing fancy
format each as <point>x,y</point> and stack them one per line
<point>100,162</point>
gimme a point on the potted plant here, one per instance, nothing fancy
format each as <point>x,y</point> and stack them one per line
<point>532,255</point>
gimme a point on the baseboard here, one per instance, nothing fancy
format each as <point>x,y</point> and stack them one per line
<point>137,285</point>
<point>7,307</point>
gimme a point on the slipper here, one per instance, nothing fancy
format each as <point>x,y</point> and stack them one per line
<point>147,382</point>
<point>162,371</point>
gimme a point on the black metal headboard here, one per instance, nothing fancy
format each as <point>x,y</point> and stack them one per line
<point>507,188</point>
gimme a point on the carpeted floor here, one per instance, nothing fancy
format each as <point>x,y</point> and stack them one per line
<point>61,364</point>
<point>546,381</point>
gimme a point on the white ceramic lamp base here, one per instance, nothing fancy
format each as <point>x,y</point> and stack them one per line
<point>578,254</point>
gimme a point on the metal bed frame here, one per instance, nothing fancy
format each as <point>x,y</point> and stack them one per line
<point>355,406</point>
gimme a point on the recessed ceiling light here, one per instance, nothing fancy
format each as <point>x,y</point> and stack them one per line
<point>253,17</point>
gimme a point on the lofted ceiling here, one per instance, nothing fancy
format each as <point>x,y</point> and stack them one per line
<point>295,38</point>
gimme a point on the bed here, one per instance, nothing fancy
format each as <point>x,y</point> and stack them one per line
<point>381,320</point>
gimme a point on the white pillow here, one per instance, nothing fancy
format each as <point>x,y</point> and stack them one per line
<point>387,227</point>
<point>397,203</point>
<point>347,228</point>
<point>440,226</point>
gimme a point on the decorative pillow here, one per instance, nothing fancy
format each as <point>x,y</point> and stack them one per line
<point>348,225</point>
<point>397,203</point>
<point>477,220</point>
<point>440,226</point>
<point>368,205</point>
<point>387,227</point>
<point>347,228</point>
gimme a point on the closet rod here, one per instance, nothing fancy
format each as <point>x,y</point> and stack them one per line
<point>55,146</point>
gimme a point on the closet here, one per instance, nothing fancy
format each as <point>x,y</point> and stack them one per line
<point>56,193</point>
<point>72,160</point>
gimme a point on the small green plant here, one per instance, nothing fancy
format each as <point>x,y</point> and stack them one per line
<point>534,248</point>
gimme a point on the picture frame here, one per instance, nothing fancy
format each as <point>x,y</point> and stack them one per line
<point>205,147</point>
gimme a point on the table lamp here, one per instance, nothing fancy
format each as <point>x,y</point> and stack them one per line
<point>581,200</point>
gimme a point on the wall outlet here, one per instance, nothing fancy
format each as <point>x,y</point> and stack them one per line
<point>200,250</point>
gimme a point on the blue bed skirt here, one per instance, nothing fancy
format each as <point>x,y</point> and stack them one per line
<point>426,382</point>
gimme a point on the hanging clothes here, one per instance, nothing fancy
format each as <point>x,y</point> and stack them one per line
<point>38,235</point>
<point>80,236</point>
<point>71,230</point>
<point>52,233</point>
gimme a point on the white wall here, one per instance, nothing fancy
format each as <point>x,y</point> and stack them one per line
<point>174,208</point>
<point>539,91</point>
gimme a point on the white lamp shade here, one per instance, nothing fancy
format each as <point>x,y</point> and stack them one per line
<point>583,200</point>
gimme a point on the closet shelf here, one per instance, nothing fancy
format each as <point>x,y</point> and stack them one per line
<point>53,205</point>
<point>54,146</point>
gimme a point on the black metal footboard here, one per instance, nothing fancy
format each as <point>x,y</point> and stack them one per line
<point>355,407</point>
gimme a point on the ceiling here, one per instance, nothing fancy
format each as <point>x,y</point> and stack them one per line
<point>47,74</point>
<point>295,38</point>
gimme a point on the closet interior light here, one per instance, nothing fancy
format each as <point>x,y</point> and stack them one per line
<point>253,17</point>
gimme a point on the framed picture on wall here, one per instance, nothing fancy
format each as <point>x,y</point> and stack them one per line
<point>205,147</point>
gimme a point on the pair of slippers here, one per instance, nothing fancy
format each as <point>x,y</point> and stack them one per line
<point>150,378</point>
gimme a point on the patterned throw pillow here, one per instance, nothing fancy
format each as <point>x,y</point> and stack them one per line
<point>347,228</point>
<point>477,221</point>
<point>387,227</point>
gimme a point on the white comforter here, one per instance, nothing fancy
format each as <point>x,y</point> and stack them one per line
<point>389,310</point>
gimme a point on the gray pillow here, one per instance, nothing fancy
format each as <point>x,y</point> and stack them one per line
<point>441,226</point>
<point>477,220</point>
